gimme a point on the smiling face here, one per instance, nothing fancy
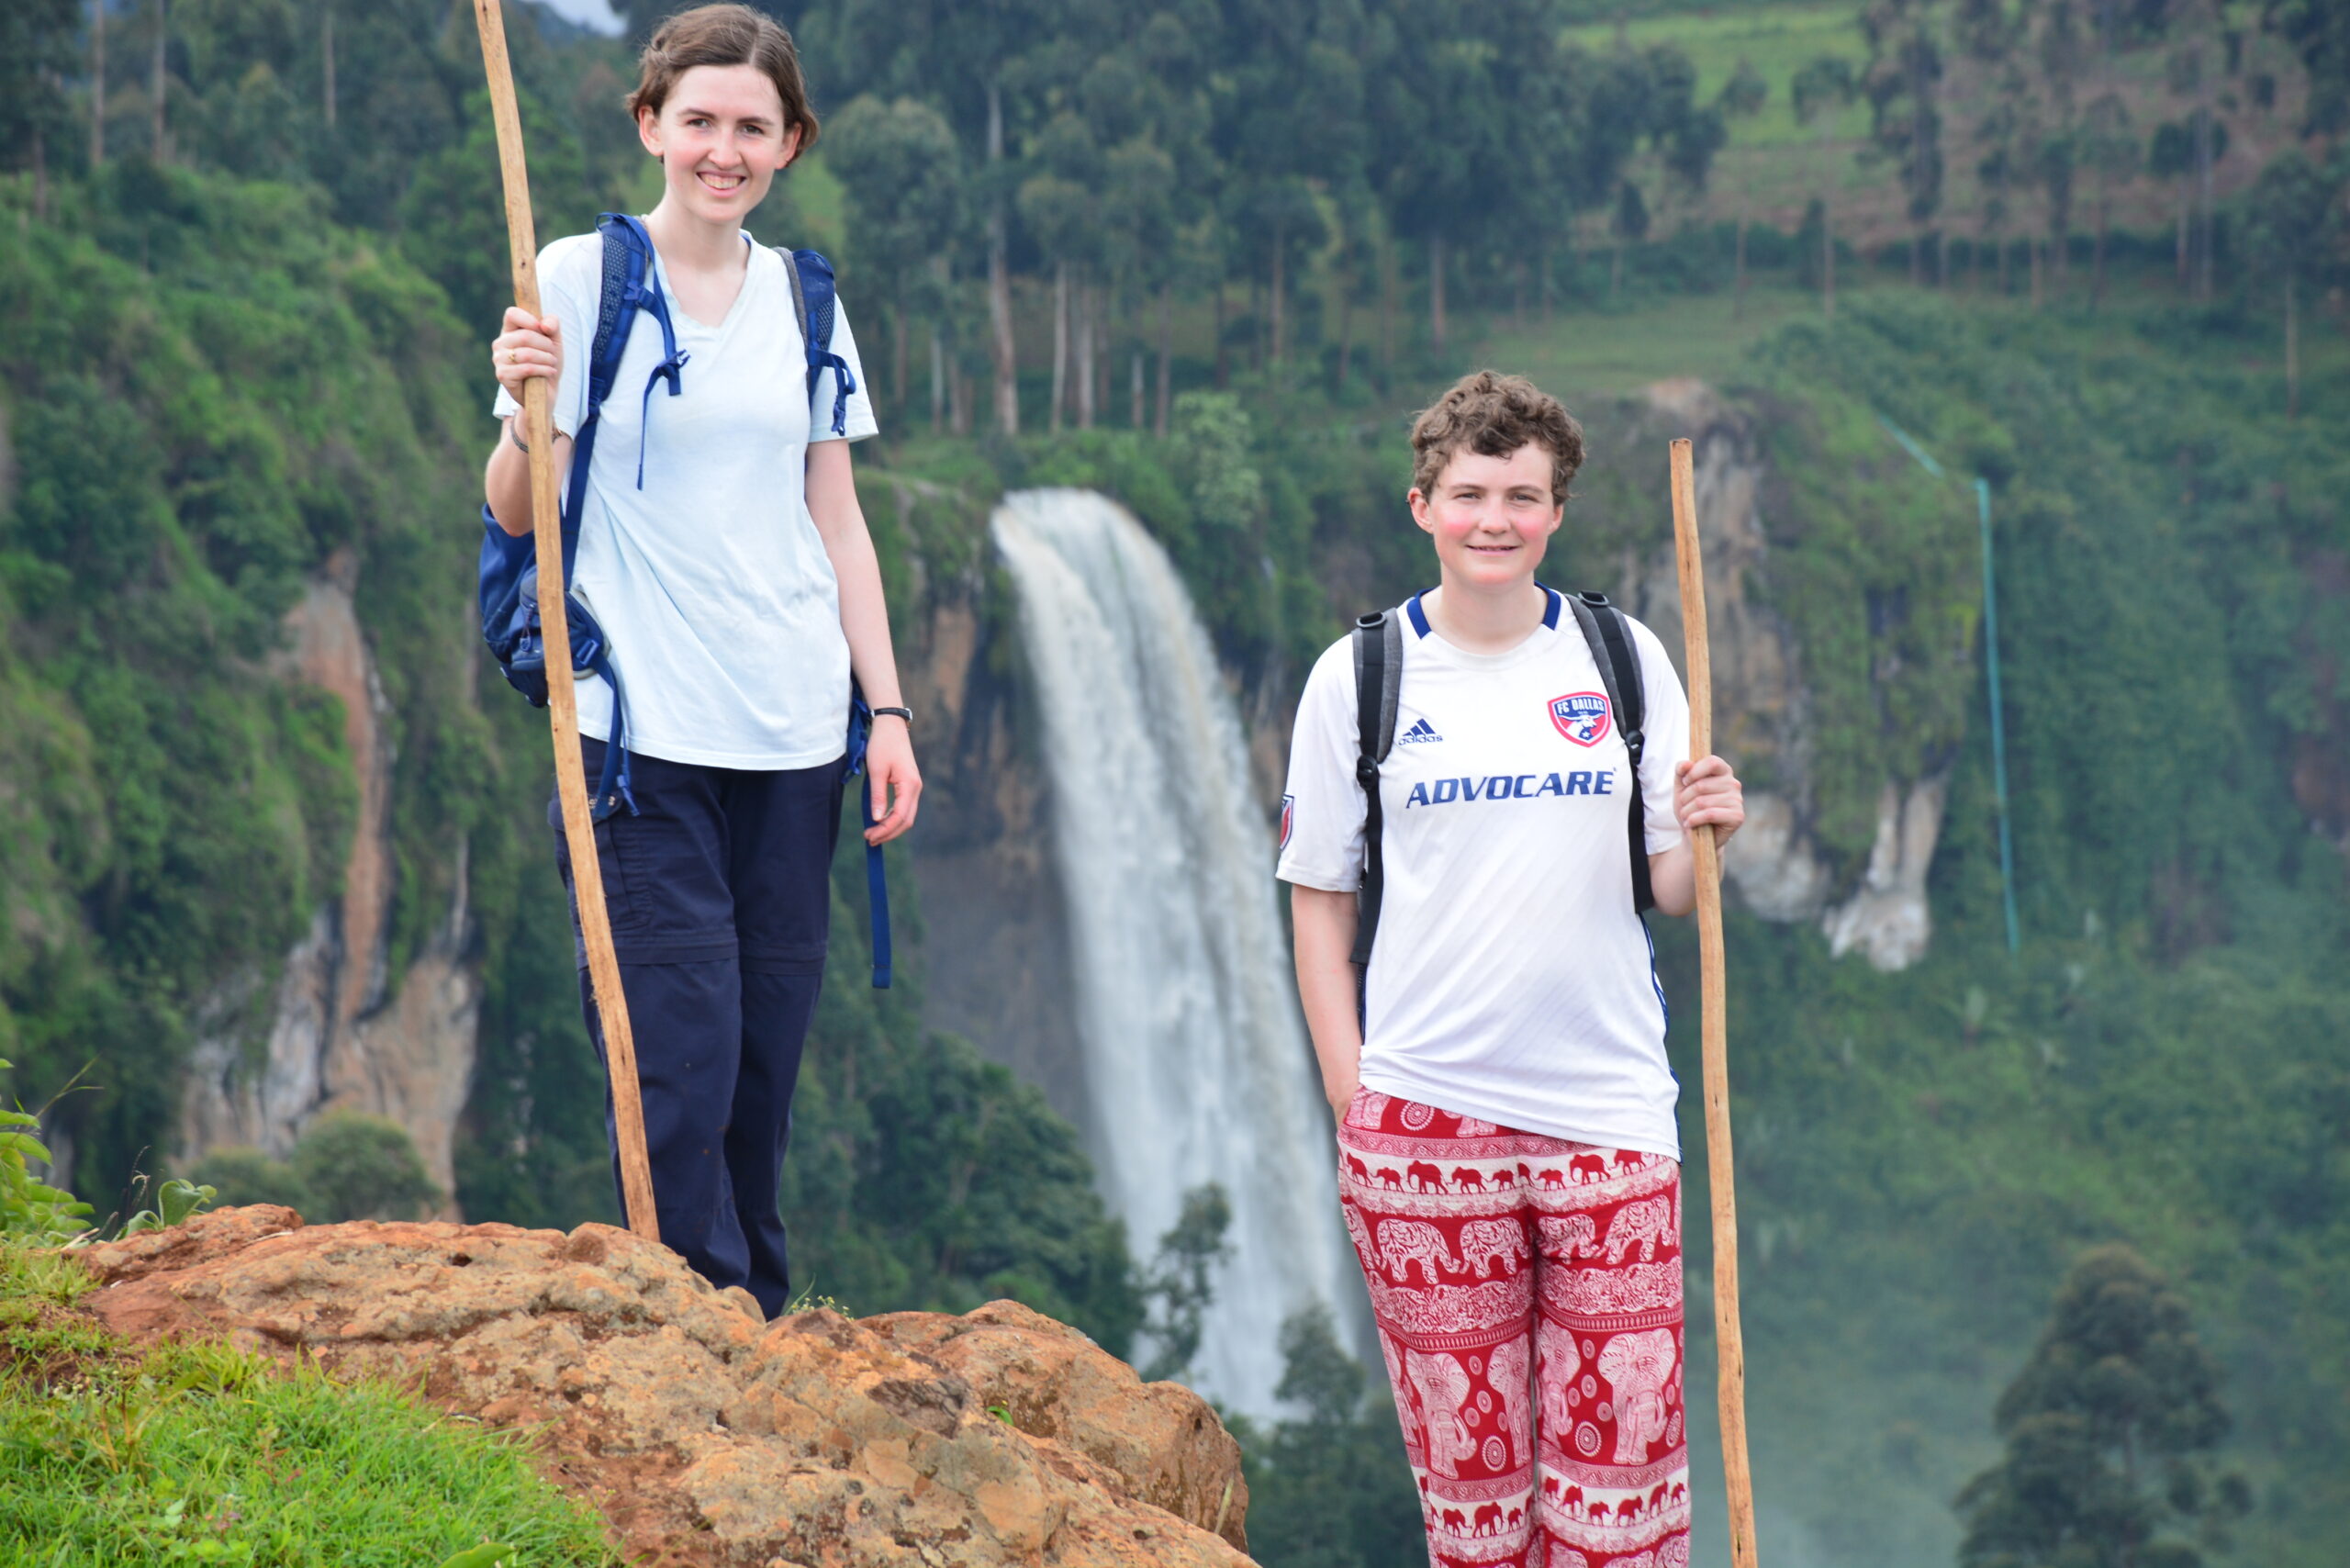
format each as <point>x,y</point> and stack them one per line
<point>1490,517</point>
<point>722,139</point>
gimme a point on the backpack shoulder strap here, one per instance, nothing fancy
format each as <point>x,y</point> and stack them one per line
<point>799,291</point>
<point>814,298</point>
<point>625,291</point>
<point>1610,637</point>
<point>1379,679</point>
<point>628,253</point>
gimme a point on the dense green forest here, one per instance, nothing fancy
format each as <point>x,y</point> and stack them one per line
<point>1205,256</point>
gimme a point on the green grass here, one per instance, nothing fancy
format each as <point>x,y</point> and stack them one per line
<point>112,1453</point>
<point>1599,351</point>
<point>1594,353</point>
<point>1777,40</point>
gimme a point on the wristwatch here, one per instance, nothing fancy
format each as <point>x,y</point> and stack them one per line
<point>905,713</point>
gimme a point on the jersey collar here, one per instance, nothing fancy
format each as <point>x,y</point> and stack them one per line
<point>1550,611</point>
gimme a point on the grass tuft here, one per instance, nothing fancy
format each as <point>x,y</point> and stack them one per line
<point>196,1452</point>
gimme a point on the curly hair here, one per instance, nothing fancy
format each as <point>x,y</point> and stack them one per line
<point>1493,415</point>
<point>723,35</point>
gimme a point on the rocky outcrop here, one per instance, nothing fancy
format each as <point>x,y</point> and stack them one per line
<point>1762,715</point>
<point>335,1034</point>
<point>1886,919</point>
<point>706,1437</point>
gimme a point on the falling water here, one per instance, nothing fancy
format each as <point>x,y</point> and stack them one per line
<point>1196,1064</point>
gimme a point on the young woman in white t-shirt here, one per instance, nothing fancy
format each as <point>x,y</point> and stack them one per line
<point>723,552</point>
<point>1508,1162</point>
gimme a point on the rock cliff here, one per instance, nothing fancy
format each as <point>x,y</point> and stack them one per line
<point>337,1033</point>
<point>706,1437</point>
<point>1762,710</point>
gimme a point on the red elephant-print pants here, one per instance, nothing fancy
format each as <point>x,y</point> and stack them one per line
<point>1528,1297</point>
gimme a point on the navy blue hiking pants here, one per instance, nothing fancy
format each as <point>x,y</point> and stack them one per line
<point>721,899</point>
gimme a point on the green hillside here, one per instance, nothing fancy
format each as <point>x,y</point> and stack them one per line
<point>253,363</point>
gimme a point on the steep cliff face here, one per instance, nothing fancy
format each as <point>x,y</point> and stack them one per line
<point>1765,715</point>
<point>995,930</point>
<point>337,1034</point>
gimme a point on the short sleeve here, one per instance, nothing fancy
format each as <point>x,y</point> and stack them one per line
<point>1322,810</point>
<point>571,278</point>
<point>861,422</point>
<point>1666,728</point>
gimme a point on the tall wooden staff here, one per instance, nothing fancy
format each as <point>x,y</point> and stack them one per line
<point>570,778</point>
<point>1722,1181</point>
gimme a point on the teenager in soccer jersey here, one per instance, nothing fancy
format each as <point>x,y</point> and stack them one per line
<point>723,552</point>
<point>1508,1162</point>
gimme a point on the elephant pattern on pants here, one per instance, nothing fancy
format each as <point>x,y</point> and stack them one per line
<point>1568,1239</point>
<point>1639,1367</point>
<point>1490,1244</point>
<point>1442,1384</point>
<point>1504,1293</point>
<point>1645,1225</point>
<point>1404,1242</point>
<point>1506,1370</point>
<point>1556,1366</point>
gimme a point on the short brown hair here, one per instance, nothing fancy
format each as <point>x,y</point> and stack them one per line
<point>1493,415</point>
<point>723,35</point>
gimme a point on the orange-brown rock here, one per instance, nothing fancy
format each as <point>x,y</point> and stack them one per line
<point>705,1437</point>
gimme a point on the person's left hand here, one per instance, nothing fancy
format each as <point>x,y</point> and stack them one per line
<point>890,774</point>
<point>1705,790</point>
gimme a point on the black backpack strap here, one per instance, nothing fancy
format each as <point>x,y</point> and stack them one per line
<point>1379,679</point>
<point>1610,636</point>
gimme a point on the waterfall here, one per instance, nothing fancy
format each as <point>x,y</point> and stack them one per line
<point>1196,1063</point>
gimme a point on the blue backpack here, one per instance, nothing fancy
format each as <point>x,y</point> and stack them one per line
<point>510,573</point>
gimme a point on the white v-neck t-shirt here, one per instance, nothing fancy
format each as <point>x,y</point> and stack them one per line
<point>1510,980</point>
<point>711,581</point>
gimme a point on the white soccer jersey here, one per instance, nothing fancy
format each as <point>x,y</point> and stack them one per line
<point>1511,980</point>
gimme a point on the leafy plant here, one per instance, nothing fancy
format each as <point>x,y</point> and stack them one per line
<point>30,1207</point>
<point>176,1201</point>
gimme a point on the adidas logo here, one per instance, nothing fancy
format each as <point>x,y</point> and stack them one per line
<point>1421,730</point>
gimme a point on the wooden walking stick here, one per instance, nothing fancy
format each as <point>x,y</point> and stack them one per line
<point>570,778</point>
<point>1721,1181</point>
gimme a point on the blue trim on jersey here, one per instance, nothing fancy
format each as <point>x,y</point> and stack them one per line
<point>1657,985</point>
<point>1550,611</point>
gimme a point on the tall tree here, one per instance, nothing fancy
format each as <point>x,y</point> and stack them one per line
<point>1988,35</point>
<point>2196,67</point>
<point>1902,87</point>
<point>2294,220</point>
<point>2060,55</point>
<point>984,63</point>
<point>2106,1429</point>
<point>1060,205</point>
<point>2109,150</point>
<point>2170,158</point>
<point>1742,97</point>
<point>38,48</point>
<point>1821,90</point>
<point>2318,31</point>
<point>903,183</point>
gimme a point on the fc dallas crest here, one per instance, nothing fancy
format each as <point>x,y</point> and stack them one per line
<point>1582,716</point>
